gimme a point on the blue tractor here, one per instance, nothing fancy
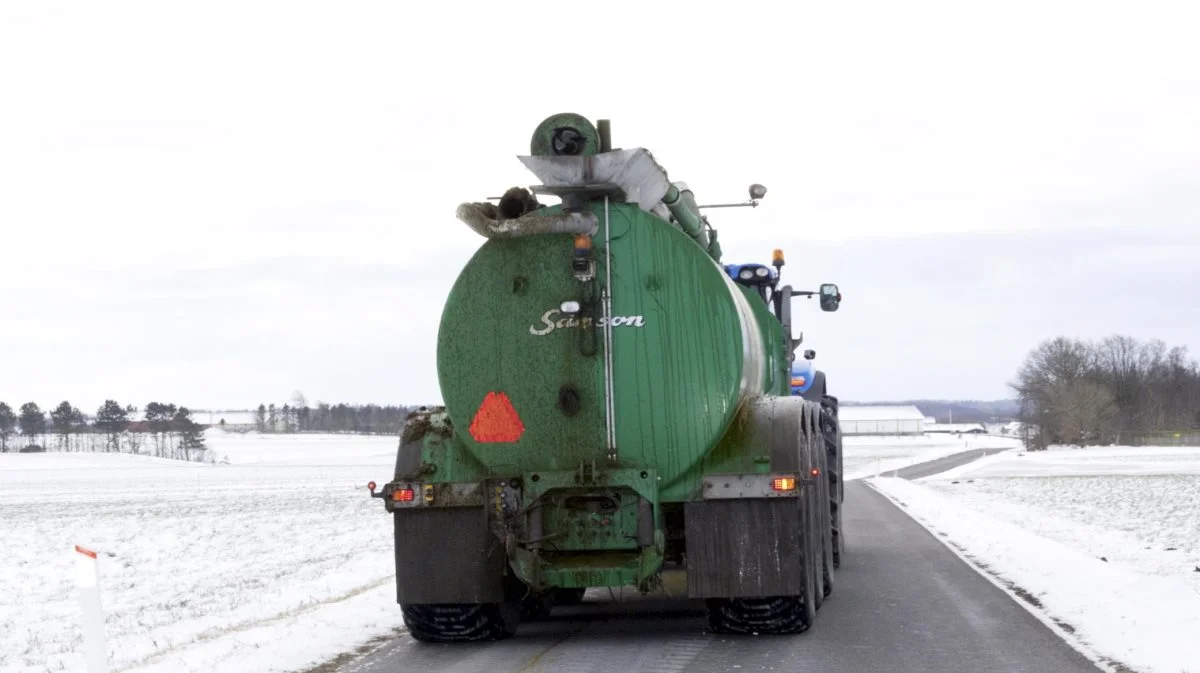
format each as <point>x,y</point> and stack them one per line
<point>807,381</point>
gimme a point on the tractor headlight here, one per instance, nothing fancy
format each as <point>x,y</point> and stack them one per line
<point>762,272</point>
<point>746,274</point>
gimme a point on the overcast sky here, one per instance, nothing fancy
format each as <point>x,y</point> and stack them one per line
<point>218,203</point>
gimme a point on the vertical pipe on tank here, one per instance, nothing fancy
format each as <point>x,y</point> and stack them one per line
<point>609,407</point>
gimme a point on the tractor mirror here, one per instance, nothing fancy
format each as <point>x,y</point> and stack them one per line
<point>831,297</point>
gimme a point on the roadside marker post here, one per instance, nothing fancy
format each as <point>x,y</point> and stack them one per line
<point>95,651</point>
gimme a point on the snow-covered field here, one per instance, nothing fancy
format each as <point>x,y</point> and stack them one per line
<point>275,559</point>
<point>243,566</point>
<point>871,455</point>
<point>1103,542</point>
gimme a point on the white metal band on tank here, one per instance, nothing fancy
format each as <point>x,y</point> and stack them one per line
<point>753,350</point>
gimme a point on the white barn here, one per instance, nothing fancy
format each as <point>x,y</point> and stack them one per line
<point>956,428</point>
<point>881,420</point>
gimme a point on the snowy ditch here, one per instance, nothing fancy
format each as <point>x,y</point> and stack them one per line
<point>1102,544</point>
<point>876,455</point>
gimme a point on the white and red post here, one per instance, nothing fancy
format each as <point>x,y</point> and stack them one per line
<point>95,650</point>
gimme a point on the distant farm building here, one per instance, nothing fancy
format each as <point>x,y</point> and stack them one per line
<point>956,428</point>
<point>881,420</point>
<point>237,420</point>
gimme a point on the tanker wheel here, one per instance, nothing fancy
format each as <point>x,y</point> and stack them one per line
<point>537,606</point>
<point>776,615</point>
<point>569,596</point>
<point>448,623</point>
<point>826,528</point>
<point>819,517</point>
<point>833,452</point>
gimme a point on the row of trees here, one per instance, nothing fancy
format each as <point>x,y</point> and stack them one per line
<point>1097,392</point>
<point>165,430</point>
<point>359,419</point>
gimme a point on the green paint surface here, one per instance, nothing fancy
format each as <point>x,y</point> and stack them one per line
<point>689,349</point>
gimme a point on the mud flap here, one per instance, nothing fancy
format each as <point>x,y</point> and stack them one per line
<point>745,548</point>
<point>447,555</point>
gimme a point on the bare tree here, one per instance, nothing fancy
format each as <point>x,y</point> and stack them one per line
<point>1083,393</point>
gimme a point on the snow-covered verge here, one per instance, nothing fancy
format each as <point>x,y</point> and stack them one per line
<point>871,455</point>
<point>1100,542</point>
<point>1090,461</point>
<point>274,562</point>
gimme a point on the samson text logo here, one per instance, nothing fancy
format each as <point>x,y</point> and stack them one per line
<point>550,323</point>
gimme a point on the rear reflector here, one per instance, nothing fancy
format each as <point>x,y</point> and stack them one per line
<point>403,495</point>
<point>783,483</point>
<point>496,420</point>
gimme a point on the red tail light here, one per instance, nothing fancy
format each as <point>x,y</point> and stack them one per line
<point>403,495</point>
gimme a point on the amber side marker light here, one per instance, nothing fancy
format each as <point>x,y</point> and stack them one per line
<point>783,483</point>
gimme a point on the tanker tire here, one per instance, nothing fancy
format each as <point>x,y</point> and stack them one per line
<point>537,606</point>
<point>776,615</point>
<point>816,549</point>
<point>833,450</point>
<point>825,525</point>
<point>455,623</point>
<point>818,496</point>
<point>569,596</point>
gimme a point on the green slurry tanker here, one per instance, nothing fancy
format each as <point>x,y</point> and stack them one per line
<point>618,412</point>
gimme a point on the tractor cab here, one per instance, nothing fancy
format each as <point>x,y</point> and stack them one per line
<point>758,277</point>
<point>806,380</point>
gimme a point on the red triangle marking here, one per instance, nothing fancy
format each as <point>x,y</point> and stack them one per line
<point>496,420</point>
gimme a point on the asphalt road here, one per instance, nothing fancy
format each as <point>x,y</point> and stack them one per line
<point>902,603</point>
<point>941,465</point>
